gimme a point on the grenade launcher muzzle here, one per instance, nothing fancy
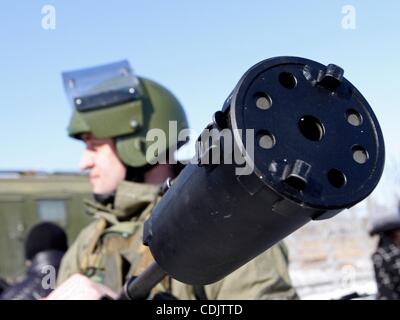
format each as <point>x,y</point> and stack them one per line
<point>309,145</point>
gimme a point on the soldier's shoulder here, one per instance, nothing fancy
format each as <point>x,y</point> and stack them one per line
<point>88,232</point>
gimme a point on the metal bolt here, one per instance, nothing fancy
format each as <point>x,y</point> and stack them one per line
<point>331,77</point>
<point>134,124</point>
<point>297,175</point>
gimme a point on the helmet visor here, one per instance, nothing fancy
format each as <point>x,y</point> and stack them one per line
<point>101,87</point>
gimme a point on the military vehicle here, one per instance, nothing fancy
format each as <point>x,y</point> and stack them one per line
<point>27,198</point>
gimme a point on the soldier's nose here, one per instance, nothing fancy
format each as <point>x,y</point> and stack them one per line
<point>87,160</point>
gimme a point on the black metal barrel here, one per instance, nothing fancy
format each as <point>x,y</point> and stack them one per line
<point>317,150</point>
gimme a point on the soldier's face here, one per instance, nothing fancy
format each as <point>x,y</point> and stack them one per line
<point>106,169</point>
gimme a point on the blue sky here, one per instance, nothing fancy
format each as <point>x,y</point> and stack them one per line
<point>199,49</point>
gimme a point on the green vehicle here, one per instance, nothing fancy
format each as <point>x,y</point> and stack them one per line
<point>27,198</point>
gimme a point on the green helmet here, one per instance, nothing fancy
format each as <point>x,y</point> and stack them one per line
<point>128,122</point>
<point>77,126</point>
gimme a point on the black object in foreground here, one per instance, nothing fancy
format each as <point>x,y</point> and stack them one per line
<point>317,150</point>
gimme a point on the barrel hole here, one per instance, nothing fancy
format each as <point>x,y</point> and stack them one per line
<point>263,101</point>
<point>288,80</point>
<point>296,182</point>
<point>266,140</point>
<point>337,178</point>
<point>360,155</point>
<point>311,128</point>
<point>353,117</point>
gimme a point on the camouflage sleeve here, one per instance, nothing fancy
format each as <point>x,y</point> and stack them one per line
<point>70,263</point>
<point>386,274</point>
<point>264,277</point>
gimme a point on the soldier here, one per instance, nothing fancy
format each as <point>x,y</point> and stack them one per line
<point>113,125</point>
<point>45,246</point>
<point>386,258</point>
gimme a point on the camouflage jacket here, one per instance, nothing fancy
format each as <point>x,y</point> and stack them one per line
<point>264,277</point>
<point>386,261</point>
<point>109,250</point>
